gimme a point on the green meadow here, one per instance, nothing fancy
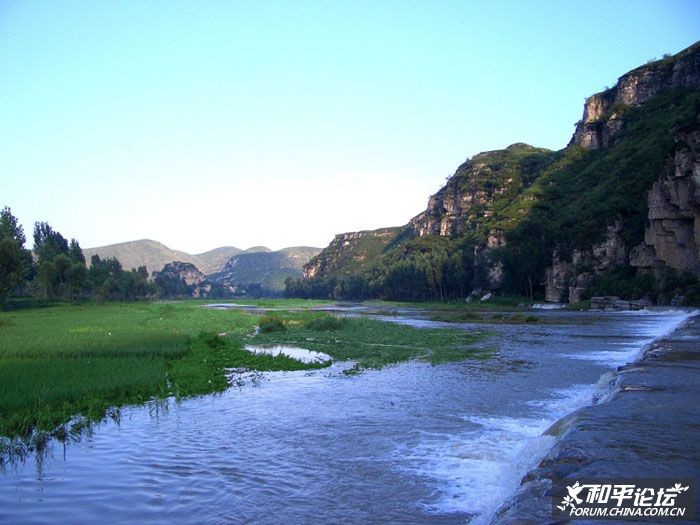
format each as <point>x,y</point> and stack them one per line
<point>61,361</point>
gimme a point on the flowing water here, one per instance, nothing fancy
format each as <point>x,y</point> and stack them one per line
<point>411,443</point>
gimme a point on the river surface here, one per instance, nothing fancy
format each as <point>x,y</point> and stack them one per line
<point>411,443</point>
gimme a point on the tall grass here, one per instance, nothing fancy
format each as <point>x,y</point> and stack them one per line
<point>60,361</point>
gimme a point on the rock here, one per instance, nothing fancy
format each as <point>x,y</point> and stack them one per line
<point>557,279</point>
<point>672,237</point>
<point>612,252</point>
<point>580,283</point>
<point>603,113</point>
<point>643,257</point>
<point>496,274</point>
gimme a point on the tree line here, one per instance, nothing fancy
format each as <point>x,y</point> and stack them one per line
<point>56,270</point>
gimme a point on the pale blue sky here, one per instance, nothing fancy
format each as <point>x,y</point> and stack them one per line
<point>202,124</point>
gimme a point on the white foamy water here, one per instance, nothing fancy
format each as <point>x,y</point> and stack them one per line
<point>481,469</point>
<point>300,354</point>
<point>548,306</point>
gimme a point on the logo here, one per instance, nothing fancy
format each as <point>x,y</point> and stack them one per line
<point>629,498</point>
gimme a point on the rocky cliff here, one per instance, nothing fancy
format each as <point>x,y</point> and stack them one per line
<point>566,280</point>
<point>672,237</point>
<point>672,233</point>
<point>603,113</point>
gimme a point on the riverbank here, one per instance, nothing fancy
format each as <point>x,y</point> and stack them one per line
<point>647,427</point>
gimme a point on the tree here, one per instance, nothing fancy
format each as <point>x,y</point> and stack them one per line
<point>75,278</point>
<point>15,260</point>
<point>76,253</point>
<point>48,243</point>
<point>61,266</point>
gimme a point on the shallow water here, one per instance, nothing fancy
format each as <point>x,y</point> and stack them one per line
<point>411,443</point>
<point>300,354</point>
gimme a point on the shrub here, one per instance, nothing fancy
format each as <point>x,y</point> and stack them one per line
<point>325,323</point>
<point>271,324</point>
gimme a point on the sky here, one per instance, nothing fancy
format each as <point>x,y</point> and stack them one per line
<point>212,123</point>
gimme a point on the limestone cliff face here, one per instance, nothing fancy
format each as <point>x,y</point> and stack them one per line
<point>349,251</point>
<point>589,205</point>
<point>603,113</point>
<point>461,199</point>
<point>672,237</point>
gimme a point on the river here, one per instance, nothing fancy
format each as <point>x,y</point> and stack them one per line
<point>411,443</point>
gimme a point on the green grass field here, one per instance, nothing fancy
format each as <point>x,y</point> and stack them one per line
<point>65,360</point>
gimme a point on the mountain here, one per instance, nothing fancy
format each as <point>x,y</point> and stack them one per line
<point>267,269</point>
<point>155,255</point>
<point>213,260</point>
<point>257,249</point>
<point>227,265</point>
<point>146,252</point>
<point>615,212</point>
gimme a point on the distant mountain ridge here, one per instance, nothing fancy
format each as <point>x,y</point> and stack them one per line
<point>226,265</point>
<point>154,255</point>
